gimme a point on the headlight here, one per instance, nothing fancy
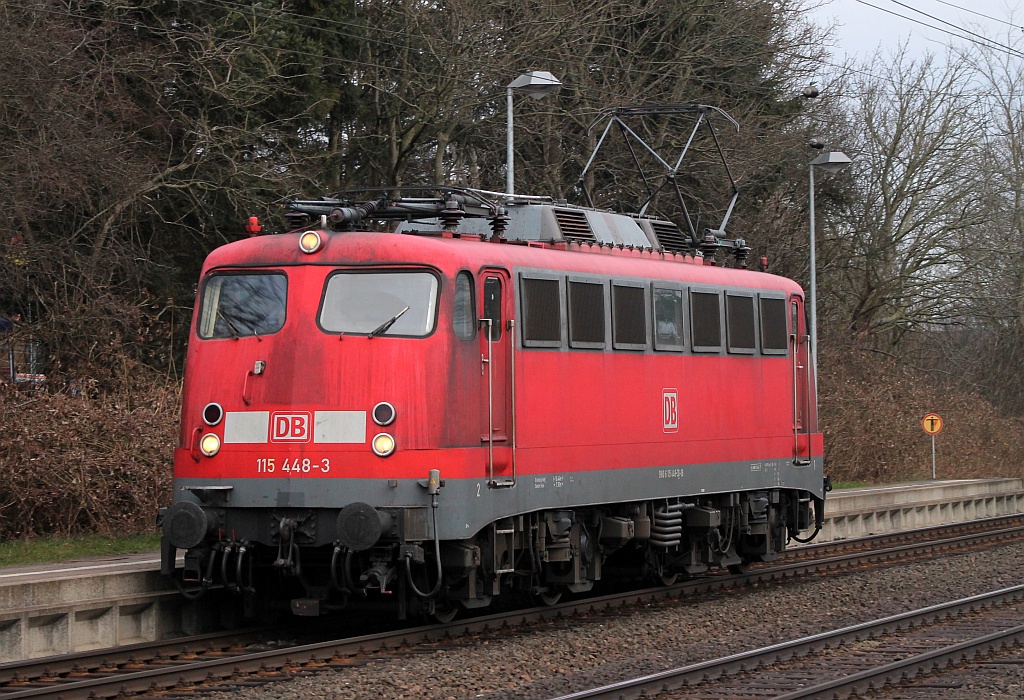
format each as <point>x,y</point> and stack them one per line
<point>384,413</point>
<point>209,445</point>
<point>310,242</point>
<point>213,414</point>
<point>383,445</point>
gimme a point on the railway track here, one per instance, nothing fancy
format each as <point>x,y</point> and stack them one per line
<point>847,661</point>
<point>245,658</point>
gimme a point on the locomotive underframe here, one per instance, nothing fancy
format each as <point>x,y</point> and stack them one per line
<point>299,556</point>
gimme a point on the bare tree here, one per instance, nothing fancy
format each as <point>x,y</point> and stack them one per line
<point>917,200</point>
<point>988,351</point>
<point>134,138</point>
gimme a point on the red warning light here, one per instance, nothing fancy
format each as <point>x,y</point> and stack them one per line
<point>253,227</point>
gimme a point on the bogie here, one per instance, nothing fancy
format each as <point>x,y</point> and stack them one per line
<point>542,554</point>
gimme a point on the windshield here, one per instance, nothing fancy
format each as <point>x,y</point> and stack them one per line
<point>380,303</point>
<point>236,305</point>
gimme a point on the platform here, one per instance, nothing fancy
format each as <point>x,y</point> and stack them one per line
<point>877,510</point>
<point>48,609</point>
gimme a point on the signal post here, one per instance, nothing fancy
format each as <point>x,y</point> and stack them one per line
<point>932,424</point>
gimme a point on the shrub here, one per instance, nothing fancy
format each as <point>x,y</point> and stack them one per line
<point>77,463</point>
<point>871,408</point>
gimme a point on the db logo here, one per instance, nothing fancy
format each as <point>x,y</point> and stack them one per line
<point>289,427</point>
<point>670,410</point>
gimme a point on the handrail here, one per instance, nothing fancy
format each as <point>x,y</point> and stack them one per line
<point>512,389</point>
<point>793,338</point>
<point>797,459</point>
<point>489,323</point>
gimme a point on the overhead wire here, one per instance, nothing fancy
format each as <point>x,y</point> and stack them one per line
<point>979,14</point>
<point>978,39</point>
<point>983,39</point>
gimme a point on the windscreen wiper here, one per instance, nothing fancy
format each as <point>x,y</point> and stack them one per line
<point>387,324</point>
<point>231,327</point>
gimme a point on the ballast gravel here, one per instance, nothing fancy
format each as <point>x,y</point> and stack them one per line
<point>554,658</point>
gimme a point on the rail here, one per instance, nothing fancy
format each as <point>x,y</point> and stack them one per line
<point>177,663</point>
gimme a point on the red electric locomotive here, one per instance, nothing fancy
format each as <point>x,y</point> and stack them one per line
<point>501,394</point>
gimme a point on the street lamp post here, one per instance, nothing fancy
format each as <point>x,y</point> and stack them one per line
<point>830,162</point>
<point>537,84</point>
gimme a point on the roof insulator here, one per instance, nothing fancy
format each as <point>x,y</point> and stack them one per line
<point>741,252</point>
<point>709,247</point>
<point>451,215</point>
<point>499,223</point>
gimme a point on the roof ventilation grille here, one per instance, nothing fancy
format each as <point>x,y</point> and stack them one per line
<point>670,237</point>
<point>573,225</point>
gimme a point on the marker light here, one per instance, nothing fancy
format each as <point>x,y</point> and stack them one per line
<point>384,413</point>
<point>209,445</point>
<point>253,227</point>
<point>213,414</point>
<point>310,242</point>
<point>383,444</point>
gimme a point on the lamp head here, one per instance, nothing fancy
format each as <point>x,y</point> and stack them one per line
<point>536,84</point>
<point>831,161</point>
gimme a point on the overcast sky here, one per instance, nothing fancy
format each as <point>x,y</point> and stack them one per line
<point>864,24</point>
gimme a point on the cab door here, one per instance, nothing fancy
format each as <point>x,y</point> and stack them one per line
<point>497,346</point>
<point>803,381</point>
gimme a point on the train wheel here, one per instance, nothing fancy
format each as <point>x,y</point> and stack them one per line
<point>550,596</point>
<point>668,579</point>
<point>739,569</point>
<point>444,612</point>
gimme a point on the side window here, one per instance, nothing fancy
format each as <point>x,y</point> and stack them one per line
<point>629,316</point>
<point>739,318</point>
<point>706,317</point>
<point>464,314</point>
<point>668,318</point>
<point>774,335</point>
<point>492,305</point>
<point>542,312</point>
<point>586,314</point>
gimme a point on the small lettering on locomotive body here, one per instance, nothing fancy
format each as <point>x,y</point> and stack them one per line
<point>676,473</point>
<point>292,465</point>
